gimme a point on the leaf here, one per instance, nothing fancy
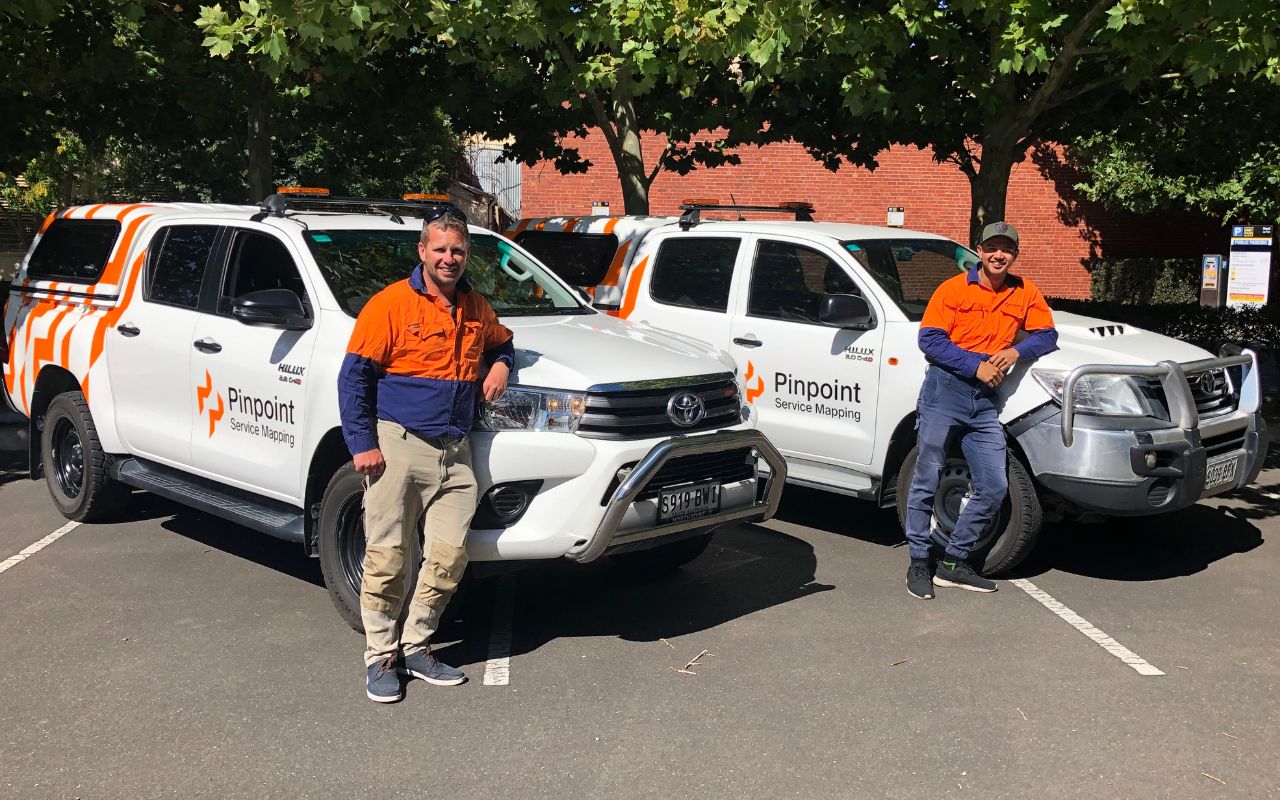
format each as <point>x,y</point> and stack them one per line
<point>359,15</point>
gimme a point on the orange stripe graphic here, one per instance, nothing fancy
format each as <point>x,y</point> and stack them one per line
<point>611,224</point>
<point>108,321</point>
<point>93,210</point>
<point>116,265</point>
<point>524,223</point>
<point>615,267</point>
<point>633,288</point>
<point>569,224</point>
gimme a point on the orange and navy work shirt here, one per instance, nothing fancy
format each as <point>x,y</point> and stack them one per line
<point>966,322</point>
<point>413,362</point>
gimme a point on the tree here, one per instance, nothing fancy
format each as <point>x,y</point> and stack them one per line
<point>119,99</point>
<point>542,73</point>
<point>1217,152</point>
<point>978,82</point>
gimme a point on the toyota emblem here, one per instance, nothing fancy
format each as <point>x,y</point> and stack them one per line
<point>686,409</point>
<point>1211,382</point>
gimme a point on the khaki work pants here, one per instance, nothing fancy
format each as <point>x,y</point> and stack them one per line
<point>430,474</point>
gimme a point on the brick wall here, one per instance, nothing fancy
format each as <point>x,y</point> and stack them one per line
<point>1060,231</point>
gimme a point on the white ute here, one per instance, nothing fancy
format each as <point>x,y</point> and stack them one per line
<point>192,351</point>
<point>822,320</point>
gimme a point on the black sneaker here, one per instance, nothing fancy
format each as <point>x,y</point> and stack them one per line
<point>959,575</point>
<point>919,581</point>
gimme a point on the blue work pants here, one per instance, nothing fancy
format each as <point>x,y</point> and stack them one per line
<point>952,408</point>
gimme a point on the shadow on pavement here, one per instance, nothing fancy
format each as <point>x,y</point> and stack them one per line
<point>841,515</point>
<point>284,557</point>
<point>13,466</point>
<point>746,569</point>
<point>1146,548</point>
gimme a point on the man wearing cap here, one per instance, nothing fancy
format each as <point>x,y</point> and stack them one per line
<point>421,350</point>
<point>968,337</point>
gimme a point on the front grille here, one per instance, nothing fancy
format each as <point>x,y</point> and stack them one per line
<point>1224,443</point>
<point>637,413</point>
<point>1210,389</point>
<point>729,466</point>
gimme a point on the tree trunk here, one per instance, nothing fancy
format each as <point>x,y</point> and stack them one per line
<point>259,140</point>
<point>989,185</point>
<point>628,154</point>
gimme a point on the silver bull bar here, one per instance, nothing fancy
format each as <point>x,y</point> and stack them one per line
<point>1173,380</point>
<point>639,478</point>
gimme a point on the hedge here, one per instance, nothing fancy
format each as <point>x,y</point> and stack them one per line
<point>1206,327</point>
<point>1143,281</point>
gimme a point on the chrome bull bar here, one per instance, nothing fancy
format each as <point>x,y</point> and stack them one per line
<point>1173,380</point>
<point>631,486</point>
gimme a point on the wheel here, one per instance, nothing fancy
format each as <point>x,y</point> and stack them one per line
<point>340,540</point>
<point>665,557</point>
<point>1008,539</point>
<point>75,467</point>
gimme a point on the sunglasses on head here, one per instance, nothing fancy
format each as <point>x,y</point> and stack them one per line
<point>436,212</point>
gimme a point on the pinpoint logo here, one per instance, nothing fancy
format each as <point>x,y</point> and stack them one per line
<point>202,398</point>
<point>753,391</point>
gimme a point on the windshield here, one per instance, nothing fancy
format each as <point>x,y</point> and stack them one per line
<point>357,264</point>
<point>909,270</point>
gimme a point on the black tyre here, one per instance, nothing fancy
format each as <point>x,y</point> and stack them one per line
<point>665,557</point>
<point>341,542</point>
<point>1011,535</point>
<point>75,466</point>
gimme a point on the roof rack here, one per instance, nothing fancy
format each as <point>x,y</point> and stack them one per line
<point>693,211</point>
<point>277,205</point>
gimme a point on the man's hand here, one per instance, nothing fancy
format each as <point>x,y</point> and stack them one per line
<point>990,374</point>
<point>370,463</point>
<point>1004,360</point>
<point>495,383</point>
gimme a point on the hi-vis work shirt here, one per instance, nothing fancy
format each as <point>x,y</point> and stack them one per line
<point>966,322</point>
<point>412,362</point>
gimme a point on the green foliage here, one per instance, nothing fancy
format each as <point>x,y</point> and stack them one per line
<point>1216,151</point>
<point>114,99</point>
<point>1143,281</point>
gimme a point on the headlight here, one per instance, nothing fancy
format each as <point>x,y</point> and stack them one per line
<point>744,408</point>
<point>524,409</point>
<point>1117,395</point>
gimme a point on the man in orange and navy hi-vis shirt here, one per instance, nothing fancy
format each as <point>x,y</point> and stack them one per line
<point>967,335</point>
<point>408,395</point>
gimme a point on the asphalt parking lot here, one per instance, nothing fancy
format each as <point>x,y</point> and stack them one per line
<point>174,655</point>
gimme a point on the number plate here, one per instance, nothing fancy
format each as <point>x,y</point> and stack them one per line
<point>688,502</point>
<point>1220,471</point>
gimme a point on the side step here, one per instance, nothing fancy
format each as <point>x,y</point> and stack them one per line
<point>272,517</point>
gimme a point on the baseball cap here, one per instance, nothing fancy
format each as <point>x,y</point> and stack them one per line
<point>1000,229</point>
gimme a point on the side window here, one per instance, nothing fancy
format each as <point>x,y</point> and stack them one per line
<point>694,272</point>
<point>259,261</point>
<point>177,264</point>
<point>581,259</point>
<point>789,280</point>
<point>73,250</point>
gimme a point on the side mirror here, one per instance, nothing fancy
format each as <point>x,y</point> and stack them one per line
<point>275,308</point>
<point>846,311</point>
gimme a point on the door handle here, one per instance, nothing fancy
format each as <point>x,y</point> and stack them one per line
<point>747,342</point>
<point>127,330</point>
<point>208,346</point>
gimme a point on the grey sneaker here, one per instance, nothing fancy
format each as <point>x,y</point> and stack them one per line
<point>919,581</point>
<point>425,666</point>
<point>382,683</point>
<point>958,574</point>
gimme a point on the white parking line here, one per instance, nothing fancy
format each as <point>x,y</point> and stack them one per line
<point>497,669</point>
<point>1083,625</point>
<point>38,546</point>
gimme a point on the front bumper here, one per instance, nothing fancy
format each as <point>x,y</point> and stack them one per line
<point>1106,470</point>
<point>595,495</point>
<point>1143,466</point>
